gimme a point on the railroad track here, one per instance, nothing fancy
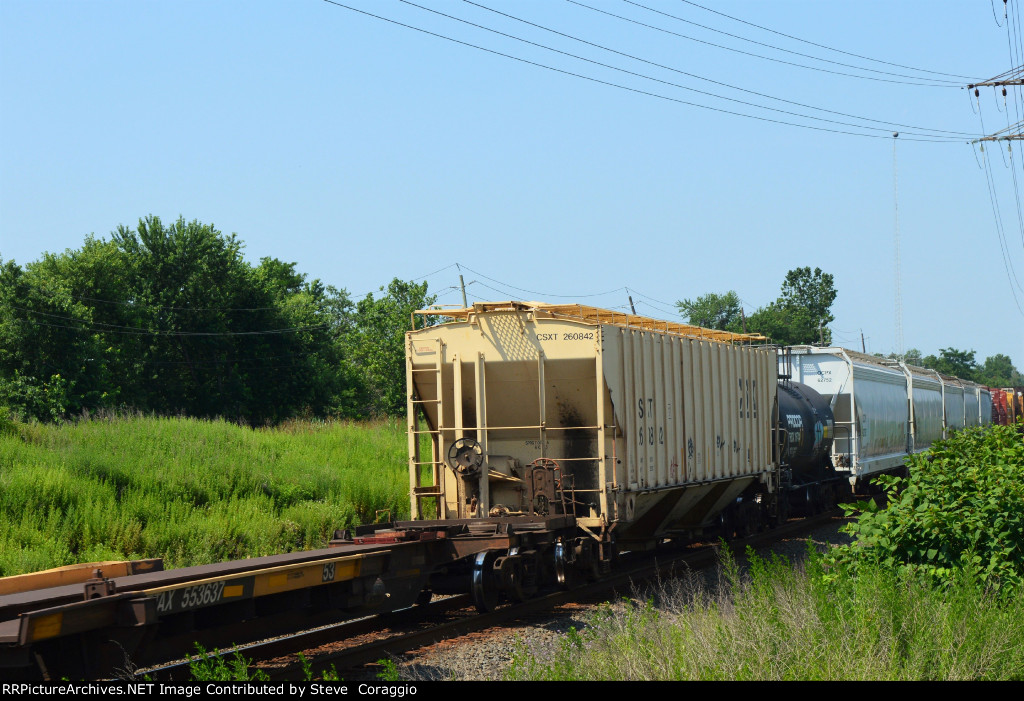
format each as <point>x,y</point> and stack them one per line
<point>351,645</point>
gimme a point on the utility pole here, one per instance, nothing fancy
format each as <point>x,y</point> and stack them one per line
<point>1013,77</point>
<point>631,304</point>
<point>863,348</point>
<point>743,318</point>
<point>462,284</point>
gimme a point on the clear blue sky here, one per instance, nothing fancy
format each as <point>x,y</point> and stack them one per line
<point>363,150</point>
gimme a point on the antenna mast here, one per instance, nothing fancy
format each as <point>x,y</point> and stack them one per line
<point>896,216</point>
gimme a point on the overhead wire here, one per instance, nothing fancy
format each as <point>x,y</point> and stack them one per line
<point>1009,144</point>
<point>715,82</point>
<point>647,77</point>
<point>1016,88</point>
<point>646,296</point>
<point>136,330</point>
<point>942,84</point>
<point>154,307</point>
<point>627,88</point>
<point>821,46</point>
<point>534,292</point>
<point>439,270</point>
<point>658,308</point>
<point>994,16</point>
<point>993,200</point>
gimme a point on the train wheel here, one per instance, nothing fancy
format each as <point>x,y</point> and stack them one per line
<point>844,492</point>
<point>562,563</point>
<point>486,585</point>
<point>812,500</point>
<point>782,508</point>
<point>588,559</point>
<point>727,522</point>
<point>510,569</point>
<point>826,497</point>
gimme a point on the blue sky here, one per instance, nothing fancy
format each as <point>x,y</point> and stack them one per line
<point>364,150</point>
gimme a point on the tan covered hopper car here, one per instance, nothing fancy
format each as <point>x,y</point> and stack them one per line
<point>628,423</point>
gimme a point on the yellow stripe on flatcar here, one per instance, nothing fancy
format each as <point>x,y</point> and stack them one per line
<point>75,574</point>
<point>304,576</point>
<point>277,579</point>
<point>46,627</point>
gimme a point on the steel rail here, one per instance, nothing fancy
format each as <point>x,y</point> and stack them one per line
<point>631,569</point>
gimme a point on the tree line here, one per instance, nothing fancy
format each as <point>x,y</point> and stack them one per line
<point>171,319</point>
<point>801,315</point>
<point>996,371</point>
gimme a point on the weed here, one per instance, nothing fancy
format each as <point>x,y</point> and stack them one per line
<point>212,667</point>
<point>189,491</point>
<point>388,671</point>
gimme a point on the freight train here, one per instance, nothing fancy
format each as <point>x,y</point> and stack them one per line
<point>543,441</point>
<point>547,438</point>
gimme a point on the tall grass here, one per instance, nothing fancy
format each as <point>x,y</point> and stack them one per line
<point>188,490</point>
<point>781,623</point>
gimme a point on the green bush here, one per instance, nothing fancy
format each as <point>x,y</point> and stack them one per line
<point>961,508</point>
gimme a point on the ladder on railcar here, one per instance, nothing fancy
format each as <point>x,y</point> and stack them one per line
<point>417,412</point>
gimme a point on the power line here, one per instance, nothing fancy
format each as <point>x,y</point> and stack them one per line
<point>630,89</point>
<point>993,200</point>
<point>653,299</point>
<point>137,331</point>
<point>154,307</point>
<point>820,46</point>
<point>439,270</point>
<point>709,80</point>
<point>761,56</point>
<point>534,292</point>
<point>643,75</point>
<point>142,305</point>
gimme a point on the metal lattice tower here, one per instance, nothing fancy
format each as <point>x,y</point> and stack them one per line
<point>896,217</point>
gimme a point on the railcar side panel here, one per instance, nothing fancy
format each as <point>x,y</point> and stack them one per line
<point>927,423</point>
<point>972,406</point>
<point>953,404</point>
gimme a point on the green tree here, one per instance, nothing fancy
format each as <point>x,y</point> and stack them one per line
<point>998,371</point>
<point>377,344</point>
<point>55,358</point>
<point>714,311</point>
<point>913,356</point>
<point>172,319</point>
<point>802,312</point>
<point>951,361</point>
